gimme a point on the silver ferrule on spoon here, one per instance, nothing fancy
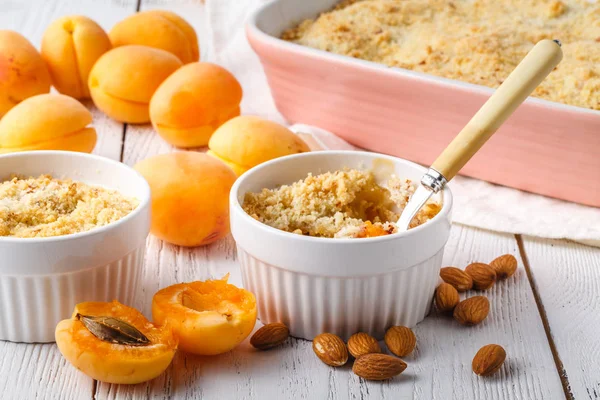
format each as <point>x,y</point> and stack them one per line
<point>522,81</point>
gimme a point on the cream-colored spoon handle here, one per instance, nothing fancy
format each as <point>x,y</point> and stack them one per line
<point>536,65</point>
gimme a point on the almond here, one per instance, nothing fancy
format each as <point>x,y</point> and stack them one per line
<point>488,359</point>
<point>331,349</point>
<point>482,274</point>
<point>269,336</point>
<point>446,297</point>
<point>472,311</point>
<point>505,266</point>
<point>362,343</point>
<point>457,278</point>
<point>400,340</point>
<point>378,367</point>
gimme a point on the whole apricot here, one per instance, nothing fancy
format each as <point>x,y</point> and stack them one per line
<point>160,29</point>
<point>22,71</point>
<point>193,102</point>
<point>209,317</point>
<point>71,46</point>
<point>246,141</point>
<point>92,341</point>
<point>124,79</point>
<point>190,197</point>
<point>47,122</point>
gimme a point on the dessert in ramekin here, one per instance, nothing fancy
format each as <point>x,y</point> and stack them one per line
<point>41,278</point>
<point>338,285</point>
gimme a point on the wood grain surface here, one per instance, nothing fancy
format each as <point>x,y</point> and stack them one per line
<point>546,316</point>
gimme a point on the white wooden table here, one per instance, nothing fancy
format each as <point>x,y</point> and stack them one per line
<point>547,316</point>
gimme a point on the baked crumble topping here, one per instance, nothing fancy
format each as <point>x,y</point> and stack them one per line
<point>44,207</point>
<point>346,203</point>
<point>479,41</point>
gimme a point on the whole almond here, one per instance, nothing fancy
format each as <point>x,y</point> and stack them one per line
<point>269,336</point>
<point>362,343</point>
<point>457,278</point>
<point>331,349</point>
<point>400,340</point>
<point>446,297</point>
<point>482,274</point>
<point>472,311</point>
<point>488,359</point>
<point>378,367</point>
<point>505,266</point>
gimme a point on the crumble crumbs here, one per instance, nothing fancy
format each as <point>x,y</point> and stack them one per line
<point>44,207</point>
<point>346,203</point>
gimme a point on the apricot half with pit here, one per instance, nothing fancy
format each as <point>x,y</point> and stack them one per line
<point>208,317</point>
<point>124,79</point>
<point>114,343</point>
<point>23,73</point>
<point>190,197</point>
<point>193,102</point>
<point>160,29</point>
<point>47,122</point>
<point>71,46</point>
<point>246,141</point>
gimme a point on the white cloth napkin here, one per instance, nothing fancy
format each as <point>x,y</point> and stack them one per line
<point>477,203</point>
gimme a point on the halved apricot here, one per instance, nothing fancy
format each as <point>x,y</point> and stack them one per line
<point>208,317</point>
<point>114,343</point>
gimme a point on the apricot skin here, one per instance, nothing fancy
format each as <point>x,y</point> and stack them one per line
<point>107,362</point>
<point>246,141</point>
<point>124,79</point>
<point>160,29</point>
<point>193,102</point>
<point>23,72</point>
<point>71,46</point>
<point>47,122</point>
<point>190,197</point>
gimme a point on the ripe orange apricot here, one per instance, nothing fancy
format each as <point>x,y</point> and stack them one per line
<point>124,79</point>
<point>194,101</point>
<point>160,29</point>
<point>47,122</point>
<point>71,46</point>
<point>190,197</point>
<point>23,73</point>
<point>246,141</point>
<point>208,317</point>
<point>111,362</point>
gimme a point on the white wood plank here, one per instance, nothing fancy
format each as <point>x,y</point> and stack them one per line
<point>439,369</point>
<point>567,278</point>
<point>38,371</point>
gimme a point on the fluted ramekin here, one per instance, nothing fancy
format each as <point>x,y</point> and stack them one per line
<point>343,286</point>
<point>41,279</point>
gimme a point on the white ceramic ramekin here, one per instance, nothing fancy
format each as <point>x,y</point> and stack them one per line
<point>41,279</point>
<point>343,286</point>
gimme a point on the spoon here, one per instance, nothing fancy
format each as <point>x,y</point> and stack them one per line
<point>530,72</point>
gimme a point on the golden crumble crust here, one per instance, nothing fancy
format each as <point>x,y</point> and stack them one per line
<point>346,203</point>
<point>44,207</point>
<point>478,41</point>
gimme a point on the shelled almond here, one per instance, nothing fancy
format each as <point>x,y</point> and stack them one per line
<point>362,343</point>
<point>488,359</point>
<point>446,297</point>
<point>269,336</point>
<point>378,367</point>
<point>457,278</point>
<point>482,274</point>
<point>330,349</point>
<point>400,340</point>
<point>472,311</point>
<point>505,266</point>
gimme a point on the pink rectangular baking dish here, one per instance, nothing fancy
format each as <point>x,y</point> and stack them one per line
<point>545,147</point>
